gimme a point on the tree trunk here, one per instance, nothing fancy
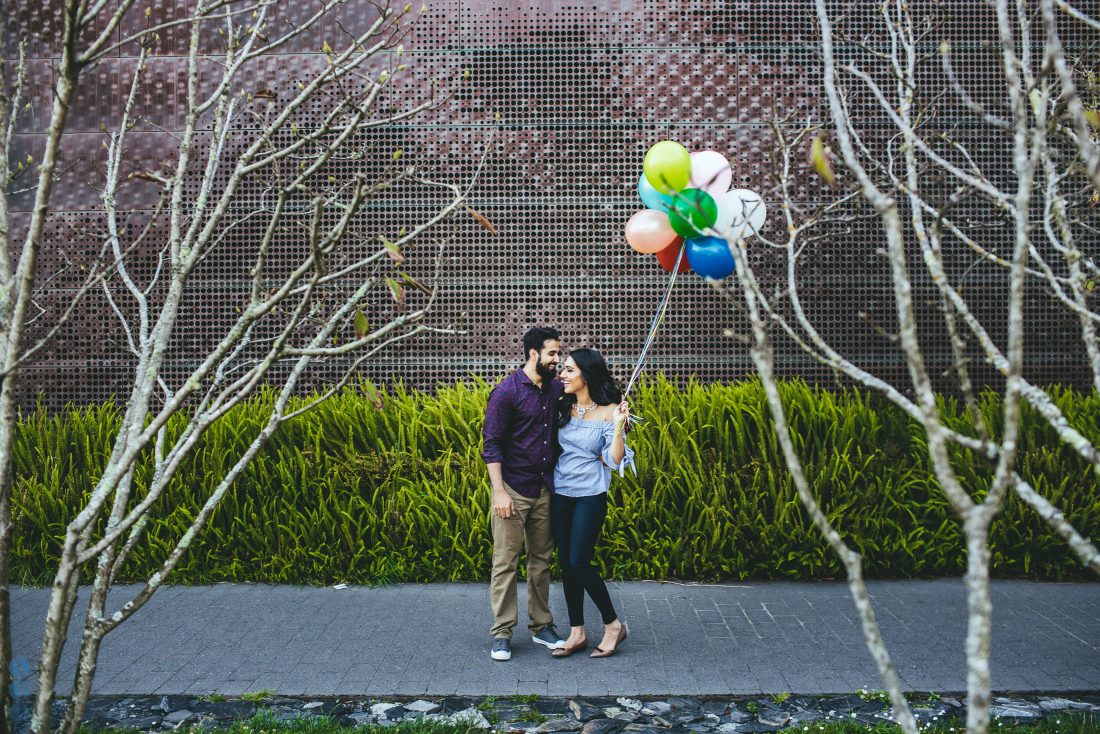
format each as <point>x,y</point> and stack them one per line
<point>979,619</point>
<point>57,622</point>
<point>7,428</point>
<point>68,71</point>
<point>6,703</point>
<point>93,628</point>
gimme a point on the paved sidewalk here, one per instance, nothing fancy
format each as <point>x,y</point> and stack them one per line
<point>690,640</point>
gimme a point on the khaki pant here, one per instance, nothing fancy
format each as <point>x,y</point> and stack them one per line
<point>528,526</point>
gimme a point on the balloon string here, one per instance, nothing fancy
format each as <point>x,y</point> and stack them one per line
<point>658,318</point>
<point>651,337</point>
<point>655,324</point>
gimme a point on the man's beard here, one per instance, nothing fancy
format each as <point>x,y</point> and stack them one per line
<point>546,372</point>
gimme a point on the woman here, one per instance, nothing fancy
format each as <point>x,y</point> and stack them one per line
<point>591,418</point>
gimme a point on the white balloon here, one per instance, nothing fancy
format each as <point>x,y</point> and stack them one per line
<point>741,214</point>
<point>711,172</point>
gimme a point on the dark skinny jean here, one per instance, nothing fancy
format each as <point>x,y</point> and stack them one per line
<point>576,523</point>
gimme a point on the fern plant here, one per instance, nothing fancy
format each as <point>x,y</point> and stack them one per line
<point>352,493</point>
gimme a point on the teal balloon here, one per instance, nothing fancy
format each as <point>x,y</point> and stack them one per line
<point>710,257</point>
<point>651,197</point>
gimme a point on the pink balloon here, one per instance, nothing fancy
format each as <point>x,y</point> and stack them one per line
<point>711,172</point>
<point>649,231</point>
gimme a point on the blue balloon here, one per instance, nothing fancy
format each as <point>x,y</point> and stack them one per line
<point>710,257</point>
<point>651,197</point>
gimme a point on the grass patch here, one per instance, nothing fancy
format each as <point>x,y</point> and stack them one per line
<point>258,696</point>
<point>868,695</point>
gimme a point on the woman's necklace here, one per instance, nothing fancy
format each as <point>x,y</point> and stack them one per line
<point>586,409</point>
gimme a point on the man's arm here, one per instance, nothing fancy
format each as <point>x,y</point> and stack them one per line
<point>502,504</point>
<point>494,435</point>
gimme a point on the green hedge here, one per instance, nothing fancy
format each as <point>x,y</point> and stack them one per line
<point>350,493</point>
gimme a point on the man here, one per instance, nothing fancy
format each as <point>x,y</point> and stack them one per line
<point>521,430</point>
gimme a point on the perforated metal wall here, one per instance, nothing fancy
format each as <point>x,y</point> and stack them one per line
<point>582,90</point>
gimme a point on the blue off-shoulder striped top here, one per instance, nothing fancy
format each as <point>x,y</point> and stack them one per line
<point>584,467</point>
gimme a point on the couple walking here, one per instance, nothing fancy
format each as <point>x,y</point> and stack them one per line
<point>550,444</point>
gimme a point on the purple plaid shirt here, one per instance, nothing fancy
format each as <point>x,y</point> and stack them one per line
<point>521,432</point>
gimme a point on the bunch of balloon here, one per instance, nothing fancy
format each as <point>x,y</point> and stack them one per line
<point>691,212</point>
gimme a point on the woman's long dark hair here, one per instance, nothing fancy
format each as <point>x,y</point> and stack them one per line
<point>601,386</point>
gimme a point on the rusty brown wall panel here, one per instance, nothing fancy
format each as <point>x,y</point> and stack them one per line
<point>41,24</point>
<point>581,90</point>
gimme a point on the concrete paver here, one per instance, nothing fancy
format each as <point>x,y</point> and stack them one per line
<point>432,639</point>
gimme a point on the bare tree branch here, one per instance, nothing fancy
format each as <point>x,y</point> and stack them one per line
<point>902,174</point>
<point>289,321</point>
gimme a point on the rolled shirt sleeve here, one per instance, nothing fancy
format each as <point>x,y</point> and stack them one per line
<point>495,430</point>
<point>628,453</point>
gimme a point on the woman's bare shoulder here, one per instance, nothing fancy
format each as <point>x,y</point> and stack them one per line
<point>605,412</point>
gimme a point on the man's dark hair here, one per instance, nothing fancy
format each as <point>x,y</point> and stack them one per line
<point>536,337</point>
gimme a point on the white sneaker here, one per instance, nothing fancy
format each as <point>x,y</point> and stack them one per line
<point>548,636</point>
<point>502,649</point>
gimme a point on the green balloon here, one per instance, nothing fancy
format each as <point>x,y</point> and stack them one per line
<point>667,167</point>
<point>692,211</point>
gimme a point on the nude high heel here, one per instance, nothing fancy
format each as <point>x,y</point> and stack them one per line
<point>599,652</point>
<point>564,652</point>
